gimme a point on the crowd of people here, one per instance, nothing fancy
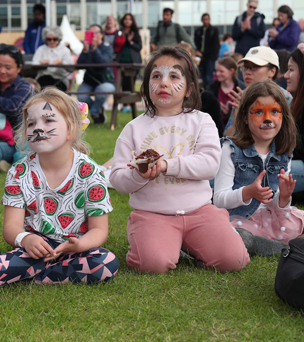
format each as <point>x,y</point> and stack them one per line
<point>223,200</point>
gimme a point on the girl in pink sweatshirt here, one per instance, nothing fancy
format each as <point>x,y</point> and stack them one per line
<point>172,200</point>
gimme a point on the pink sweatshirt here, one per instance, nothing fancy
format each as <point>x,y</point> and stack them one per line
<point>191,147</point>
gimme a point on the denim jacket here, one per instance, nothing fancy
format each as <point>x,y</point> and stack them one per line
<point>248,165</point>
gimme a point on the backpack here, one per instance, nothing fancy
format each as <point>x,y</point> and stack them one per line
<point>289,281</point>
<point>176,27</point>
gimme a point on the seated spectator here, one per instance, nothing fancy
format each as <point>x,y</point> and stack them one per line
<point>286,35</point>
<point>33,34</point>
<point>259,64</point>
<point>210,103</point>
<point>284,56</point>
<point>52,53</point>
<point>265,40</point>
<point>110,30</point>
<point>127,46</point>
<point>226,82</point>
<point>96,79</point>
<point>14,93</point>
<point>225,49</point>
<point>295,84</point>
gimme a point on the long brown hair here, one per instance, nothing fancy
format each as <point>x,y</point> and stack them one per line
<point>286,138</point>
<point>297,104</point>
<point>191,74</point>
<point>69,110</point>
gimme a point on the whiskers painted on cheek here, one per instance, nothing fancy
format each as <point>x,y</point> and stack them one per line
<point>178,87</point>
<point>29,137</point>
<point>51,132</point>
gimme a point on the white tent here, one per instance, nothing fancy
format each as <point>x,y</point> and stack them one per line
<point>69,36</point>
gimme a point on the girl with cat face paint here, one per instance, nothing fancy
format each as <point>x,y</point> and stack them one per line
<point>254,182</point>
<point>56,200</point>
<point>172,200</point>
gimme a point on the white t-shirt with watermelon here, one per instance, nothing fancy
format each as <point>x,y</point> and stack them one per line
<point>62,212</point>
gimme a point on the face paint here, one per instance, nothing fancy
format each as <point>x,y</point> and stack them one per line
<point>171,76</point>
<point>44,122</point>
<point>168,86</point>
<point>265,119</point>
<point>266,115</point>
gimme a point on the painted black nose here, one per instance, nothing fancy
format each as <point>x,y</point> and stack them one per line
<point>265,121</point>
<point>38,130</point>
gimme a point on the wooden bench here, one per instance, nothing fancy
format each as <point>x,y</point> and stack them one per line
<point>119,97</point>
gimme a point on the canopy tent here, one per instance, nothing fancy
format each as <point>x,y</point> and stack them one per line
<point>68,36</point>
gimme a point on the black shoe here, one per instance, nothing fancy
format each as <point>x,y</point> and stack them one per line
<point>96,119</point>
<point>102,116</point>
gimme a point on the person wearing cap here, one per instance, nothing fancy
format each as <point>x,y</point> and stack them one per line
<point>286,35</point>
<point>259,64</point>
<point>248,28</point>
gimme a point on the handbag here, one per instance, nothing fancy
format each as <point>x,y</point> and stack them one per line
<point>289,281</point>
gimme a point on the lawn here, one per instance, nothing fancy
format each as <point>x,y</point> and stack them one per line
<point>188,304</point>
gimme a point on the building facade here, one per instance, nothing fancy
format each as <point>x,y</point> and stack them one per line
<point>16,14</point>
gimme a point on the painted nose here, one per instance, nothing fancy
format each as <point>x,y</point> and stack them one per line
<point>267,121</point>
<point>38,130</point>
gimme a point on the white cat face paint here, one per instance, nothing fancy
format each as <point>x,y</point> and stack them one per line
<point>46,128</point>
<point>167,84</point>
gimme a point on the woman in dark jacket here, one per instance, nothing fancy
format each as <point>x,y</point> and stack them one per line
<point>286,35</point>
<point>127,46</point>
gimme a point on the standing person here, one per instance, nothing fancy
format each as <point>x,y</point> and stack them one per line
<point>295,84</point>
<point>169,33</point>
<point>33,34</point>
<point>127,46</point>
<point>286,35</point>
<point>110,30</point>
<point>301,25</point>
<point>226,82</point>
<point>207,43</point>
<point>52,52</point>
<point>96,79</point>
<point>61,183</point>
<point>254,181</point>
<point>248,28</point>
<point>172,200</point>
<point>14,92</point>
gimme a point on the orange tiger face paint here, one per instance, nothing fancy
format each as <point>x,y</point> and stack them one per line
<point>265,119</point>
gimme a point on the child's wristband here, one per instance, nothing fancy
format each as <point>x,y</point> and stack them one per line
<point>19,238</point>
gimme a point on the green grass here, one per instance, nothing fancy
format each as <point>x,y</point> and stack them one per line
<point>188,304</point>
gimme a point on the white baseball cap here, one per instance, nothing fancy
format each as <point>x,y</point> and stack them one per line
<point>261,56</point>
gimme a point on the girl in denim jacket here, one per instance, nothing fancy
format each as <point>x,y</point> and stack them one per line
<point>254,182</point>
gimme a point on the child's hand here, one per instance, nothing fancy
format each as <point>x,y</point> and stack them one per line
<point>36,247</point>
<point>160,166</point>
<point>286,186</point>
<point>69,246</point>
<point>255,190</point>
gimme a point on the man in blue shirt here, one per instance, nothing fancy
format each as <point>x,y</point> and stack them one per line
<point>33,37</point>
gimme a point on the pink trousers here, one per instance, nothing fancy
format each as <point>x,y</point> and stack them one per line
<point>206,234</point>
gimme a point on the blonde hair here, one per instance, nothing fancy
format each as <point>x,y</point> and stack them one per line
<point>69,110</point>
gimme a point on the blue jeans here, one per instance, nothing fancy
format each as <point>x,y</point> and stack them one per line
<point>297,171</point>
<point>207,69</point>
<point>6,151</point>
<point>95,106</point>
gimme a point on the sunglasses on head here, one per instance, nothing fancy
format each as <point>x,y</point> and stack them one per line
<point>51,39</point>
<point>252,7</point>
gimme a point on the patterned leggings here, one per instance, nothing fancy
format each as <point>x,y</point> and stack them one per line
<point>92,266</point>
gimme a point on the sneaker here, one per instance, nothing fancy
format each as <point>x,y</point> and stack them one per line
<point>4,166</point>
<point>96,119</point>
<point>102,116</point>
<point>127,109</point>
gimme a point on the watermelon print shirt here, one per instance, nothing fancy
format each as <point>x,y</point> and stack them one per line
<point>62,212</point>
